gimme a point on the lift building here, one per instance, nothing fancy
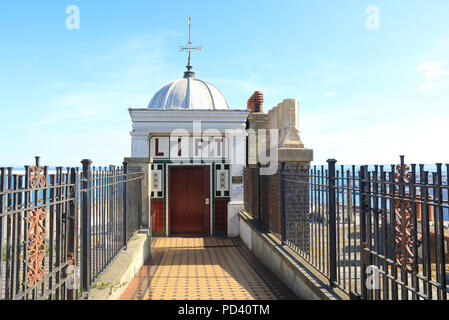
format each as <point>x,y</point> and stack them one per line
<point>193,148</point>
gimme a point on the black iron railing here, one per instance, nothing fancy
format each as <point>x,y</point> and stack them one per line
<point>37,232</point>
<point>110,214</point>
<point>55,223</point>
<point>377,232</point>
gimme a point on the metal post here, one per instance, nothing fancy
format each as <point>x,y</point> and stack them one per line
<point>363,245</point>
<point>332,223</point>
<point>282,195</point>
<point>71,230</point>
<point>85,227</point>
<point>125,177</point>
<point>113,211</point>
<point>439,236</point>
<point>427,263</point>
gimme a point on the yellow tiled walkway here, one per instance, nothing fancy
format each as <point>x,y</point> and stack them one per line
<point>197,268</point>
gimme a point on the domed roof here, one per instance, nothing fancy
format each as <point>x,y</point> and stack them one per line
<point>189,93</point>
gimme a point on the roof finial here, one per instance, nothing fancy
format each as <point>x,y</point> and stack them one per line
<point>189,48</point>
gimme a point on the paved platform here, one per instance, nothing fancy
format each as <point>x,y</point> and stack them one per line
<point>204,268</point>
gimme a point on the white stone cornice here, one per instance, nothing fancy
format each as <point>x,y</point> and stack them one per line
<point>139,134</point>
<point>224,116</point>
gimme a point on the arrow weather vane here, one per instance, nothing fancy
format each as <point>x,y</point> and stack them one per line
<point>190,49</point>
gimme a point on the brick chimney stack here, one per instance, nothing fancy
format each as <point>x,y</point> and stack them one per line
<point>255,103</point>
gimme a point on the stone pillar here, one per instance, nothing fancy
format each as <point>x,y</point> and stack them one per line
<point>139,144</point>
<point>285,117</point>
<point>145,165</point>
<point>256,121</point>
<point>237,143</point>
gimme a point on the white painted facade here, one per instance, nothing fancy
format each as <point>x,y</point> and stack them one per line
<point>148,122</point>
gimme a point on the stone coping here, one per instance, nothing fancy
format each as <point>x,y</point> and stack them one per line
<point>317,282</point>
<point>295,155</point>
<point>113,282</point>
<point>138,160</point>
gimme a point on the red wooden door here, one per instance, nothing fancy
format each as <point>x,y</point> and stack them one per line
<point>188,190</point>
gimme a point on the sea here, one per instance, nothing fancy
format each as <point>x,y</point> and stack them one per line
<point>431,168</point>
<point>344,168</point>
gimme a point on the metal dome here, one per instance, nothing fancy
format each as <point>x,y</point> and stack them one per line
<point>190,94</point>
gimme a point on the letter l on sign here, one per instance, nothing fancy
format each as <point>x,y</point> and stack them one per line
<point>158,154</point>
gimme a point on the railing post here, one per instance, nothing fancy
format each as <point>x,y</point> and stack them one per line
<point>332,223</point>
<point>85,227</point>
<point>282,196</point>
<point>72,233</point>
<point>125,183</point>
<point>364,255</point>
<point>112,210</point>
<point>439,237</point>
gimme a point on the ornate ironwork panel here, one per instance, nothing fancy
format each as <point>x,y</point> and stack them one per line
<point>37,177</point>
<point>404,235</point>
<point>251,191</point>
<point>274,204</point>
<point>403,223</point>
<point>264,202</point>
<point>36,231</point>
<point>36,246</point>
<point>296,206</point>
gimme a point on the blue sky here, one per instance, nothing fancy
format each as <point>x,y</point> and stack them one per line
<point>366,96</point>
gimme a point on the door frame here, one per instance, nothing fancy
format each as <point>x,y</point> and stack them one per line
<point>167,189</point>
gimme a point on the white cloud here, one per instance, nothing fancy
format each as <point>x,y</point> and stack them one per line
<point>435,74</point>
<point>427,66</point>
<point>428,85</point>
<point>432,74</point>
<point>330,94</point>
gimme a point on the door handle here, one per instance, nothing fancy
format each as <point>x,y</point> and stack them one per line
<point>206,201</point>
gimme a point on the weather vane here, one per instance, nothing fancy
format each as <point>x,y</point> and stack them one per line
<point>190,49</point>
